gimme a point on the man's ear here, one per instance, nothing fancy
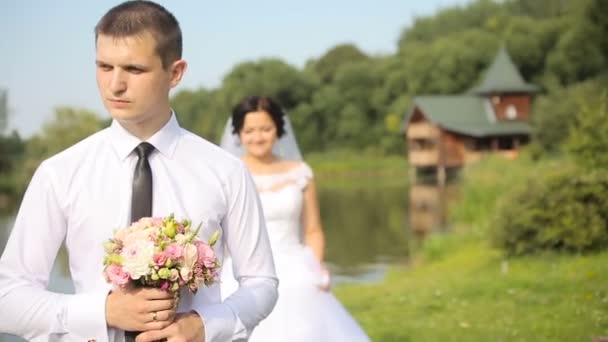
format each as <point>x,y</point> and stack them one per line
<point>178,68</point>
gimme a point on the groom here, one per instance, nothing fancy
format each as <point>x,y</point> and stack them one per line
<point>79,196</point>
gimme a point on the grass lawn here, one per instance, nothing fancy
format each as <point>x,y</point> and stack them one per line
<point>471,294</point>
<point>340,169</point>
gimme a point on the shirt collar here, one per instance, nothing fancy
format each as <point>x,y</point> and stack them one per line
<point>165,140</point>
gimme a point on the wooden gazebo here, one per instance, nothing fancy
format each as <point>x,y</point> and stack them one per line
<point>448,131</point>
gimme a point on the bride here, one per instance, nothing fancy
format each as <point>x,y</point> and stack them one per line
<point>261,135</point>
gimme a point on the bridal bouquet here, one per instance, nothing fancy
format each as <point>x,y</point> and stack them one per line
<point>162,253</point>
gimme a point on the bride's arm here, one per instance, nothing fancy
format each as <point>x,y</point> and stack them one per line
<point>313,230</point>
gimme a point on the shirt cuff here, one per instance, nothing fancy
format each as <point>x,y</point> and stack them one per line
<point>86,315</point>
<point>221,323</point>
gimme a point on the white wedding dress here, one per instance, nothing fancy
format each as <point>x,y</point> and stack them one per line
<point>303,311</point>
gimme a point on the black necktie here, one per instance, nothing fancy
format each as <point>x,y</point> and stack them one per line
<point>141,200</point>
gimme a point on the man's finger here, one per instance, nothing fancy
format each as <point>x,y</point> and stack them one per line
<point>161,315</point>
<point>153,293</point>
<point>154,335</point>
<point>160,305</point>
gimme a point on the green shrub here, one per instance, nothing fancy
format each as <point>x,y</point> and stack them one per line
<point>566,210</point>
<point>588,138</point>
<point>483,184</point>
<point>557,111</point>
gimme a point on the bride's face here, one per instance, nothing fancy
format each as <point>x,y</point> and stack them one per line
<point>259,134</point>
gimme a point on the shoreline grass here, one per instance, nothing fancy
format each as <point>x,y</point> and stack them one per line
<point>473,294</point>
<point>457,287</point>
<point>341,169</point>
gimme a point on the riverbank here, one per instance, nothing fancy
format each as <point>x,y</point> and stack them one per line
<point>348,169</point>
<point>470,293</point>
<point>456,287</point>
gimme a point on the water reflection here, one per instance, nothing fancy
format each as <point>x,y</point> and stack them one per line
<point>367,228</point>
<point>428,208</point>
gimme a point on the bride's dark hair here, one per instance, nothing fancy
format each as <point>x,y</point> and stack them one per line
<point>258,104</point>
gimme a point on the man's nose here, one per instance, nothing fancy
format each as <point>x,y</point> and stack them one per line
<point>118,83</point>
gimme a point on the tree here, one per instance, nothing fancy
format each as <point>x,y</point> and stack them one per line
<point>3,110</point>
<point>448,65</point>
<point>201,112</point>
<point>270,77</point>
<point>588,138</point>
<point>577,55</point>
<point>539,9</point>
<point>529,42</point>
<point>68,126</point>
<point>449,21</point>
<point>11,150</point>
<point>553,114</point>
<point>595,12</point>
<point>327,66</point>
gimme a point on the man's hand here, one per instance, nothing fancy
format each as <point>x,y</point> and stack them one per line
<point>187,327</point>
<point>140,309</point>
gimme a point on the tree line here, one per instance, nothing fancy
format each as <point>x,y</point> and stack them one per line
<point>349,100</point>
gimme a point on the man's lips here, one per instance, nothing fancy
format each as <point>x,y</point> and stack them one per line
<point>117,102</point>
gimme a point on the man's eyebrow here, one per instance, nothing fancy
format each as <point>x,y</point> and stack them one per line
<point>135,66</point>
<point>124,66</point>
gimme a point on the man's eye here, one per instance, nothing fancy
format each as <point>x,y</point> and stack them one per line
<point>134,70</point>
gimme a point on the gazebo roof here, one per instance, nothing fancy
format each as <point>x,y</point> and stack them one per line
<point>503,76</point>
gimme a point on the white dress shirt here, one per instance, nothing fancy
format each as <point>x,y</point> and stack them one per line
<point>83,193</point>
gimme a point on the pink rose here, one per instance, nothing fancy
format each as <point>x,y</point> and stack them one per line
<point>116,275</point>
<point>206,255</point>
<point>174,251</point>
<point>164,285</point>
<point>160,258</point>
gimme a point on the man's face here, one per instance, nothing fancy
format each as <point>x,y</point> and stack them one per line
<point>132,83</point>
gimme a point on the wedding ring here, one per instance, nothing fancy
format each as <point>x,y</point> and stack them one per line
<point>154,316</point>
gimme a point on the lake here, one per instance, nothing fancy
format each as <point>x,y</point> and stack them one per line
<point>367,229</point>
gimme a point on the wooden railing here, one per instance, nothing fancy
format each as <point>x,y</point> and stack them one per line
<point>422,130</point>
<point>424,157</point>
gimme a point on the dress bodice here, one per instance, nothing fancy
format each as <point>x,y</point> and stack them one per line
<point>282,198</point>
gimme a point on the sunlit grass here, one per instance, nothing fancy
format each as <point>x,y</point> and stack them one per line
<point>351,169</point>
<point>472,294</point>
<point>457,287</point>
<point>483,185</point>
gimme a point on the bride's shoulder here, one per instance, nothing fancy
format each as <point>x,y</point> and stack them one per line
<point>296,166</point>
<point>300,172</point>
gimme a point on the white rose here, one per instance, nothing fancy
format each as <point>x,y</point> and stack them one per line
<point>181,238</point>
<point>190,255</point>
<point>186,273</point>
<point>137,258</point>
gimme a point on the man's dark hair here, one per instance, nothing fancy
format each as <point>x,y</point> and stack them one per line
<point>135,17</point>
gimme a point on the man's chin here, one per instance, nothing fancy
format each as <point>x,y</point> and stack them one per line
<point>123,116</point>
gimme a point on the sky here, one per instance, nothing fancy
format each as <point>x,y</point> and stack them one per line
<point>47,49</point>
